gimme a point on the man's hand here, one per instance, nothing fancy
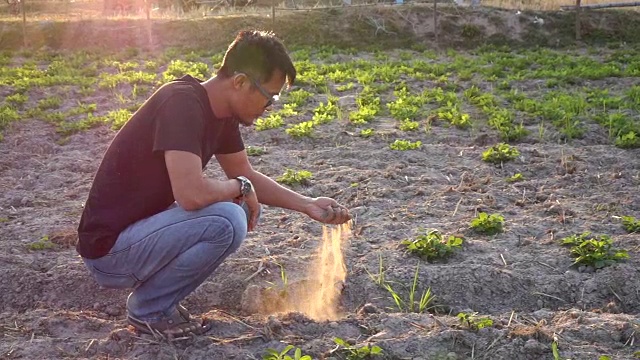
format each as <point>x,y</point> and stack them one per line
<point>327,210</point>
<point>254,208</point>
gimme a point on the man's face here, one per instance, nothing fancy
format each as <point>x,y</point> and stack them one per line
<point>255,97</point>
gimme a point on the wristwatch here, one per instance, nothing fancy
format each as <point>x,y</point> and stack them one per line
<point>245,186</point>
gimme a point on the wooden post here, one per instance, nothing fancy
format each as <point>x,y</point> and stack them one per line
<point>24,23</point>
<point>435,20</point>
<point>273,15</point>
<point>578,26</point>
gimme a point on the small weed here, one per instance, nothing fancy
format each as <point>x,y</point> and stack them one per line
<point>412,304</point>
<point>403,145</point>
<point>43,244</point>
<point>474,322</point>
<point>488,224</point>
<point>16,99</point>
<point>345,87</point>
<point>432,245</point>
<point>500,153</point>
<point>515,178</point>
<point>255,151</point>
<point>353,352</point>
<point>631,224</point>
<point>53,102</point>
<point>292,177</point>
<point>595,251</point>
<point>118,118</point>
<point>273,354</point>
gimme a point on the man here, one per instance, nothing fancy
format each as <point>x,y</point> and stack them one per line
<point>152,222</point>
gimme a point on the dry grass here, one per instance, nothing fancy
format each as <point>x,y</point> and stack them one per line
<point>49,10</point>
<point>542,4</point>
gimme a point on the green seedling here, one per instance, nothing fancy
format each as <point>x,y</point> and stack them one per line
<point>500,153</point>
<point>412,304</point>
<point>16,99</point>
<point>473,322</point>
<point>273,354</point>
<point>353,352</point>
<point>596,251</point>
<point>365,133</point>
<point>631,224</point>
<point>303,129</point>
<point>325,112</point>
<point>42,244</point>
<point>488,224</point>
<point>292,177</point>
<point>403,145</point>
<point>117,118</point>
<point>284,279</point>
<point>630,140</point>
<point>273,121</point>
<point>178,68</point>
<point>255,151</point>
<point>52,102</point>
<point>432,245</point>
<point>515,178</point>
<point>379,277</point>
<point>408,125</point>
<point>345,87</point>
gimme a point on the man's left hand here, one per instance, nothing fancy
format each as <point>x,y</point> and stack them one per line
<point>328,211</point>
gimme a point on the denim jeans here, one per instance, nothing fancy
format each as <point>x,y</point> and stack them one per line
<point>165,257</point>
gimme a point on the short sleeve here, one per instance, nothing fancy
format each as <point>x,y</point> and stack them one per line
<point>179,124</point>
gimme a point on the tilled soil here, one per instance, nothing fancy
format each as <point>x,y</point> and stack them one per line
<point>522,278</point>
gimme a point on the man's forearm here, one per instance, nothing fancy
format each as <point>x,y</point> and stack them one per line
<point>273,194</point>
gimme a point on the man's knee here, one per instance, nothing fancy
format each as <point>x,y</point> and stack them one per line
<point>237,219</point>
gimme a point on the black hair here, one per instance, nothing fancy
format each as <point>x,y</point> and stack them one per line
<point>258,54</point>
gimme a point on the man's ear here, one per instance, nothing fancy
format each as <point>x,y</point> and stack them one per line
<point>239,80</point>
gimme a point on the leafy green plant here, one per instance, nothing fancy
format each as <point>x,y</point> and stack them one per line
<point>631,224</point>
<point>353,352</point>
<point>292,177</point>
<point>596,251</point>
<point>474,322</point>
<point>403,145</point>
<point>273,354</point>
<point>178,68</point>
<point>365,133</point>
<point>303,129</point>
<point>500,153</point>
<point>408,125</point>
<point>273,121</point>
<point>488,224</point>
<point>630,140</point>
<point>432,245</point>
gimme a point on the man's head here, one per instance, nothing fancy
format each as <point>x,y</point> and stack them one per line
<point>258,66</point>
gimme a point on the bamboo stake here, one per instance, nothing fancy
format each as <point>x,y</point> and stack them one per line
<point>24,23</point>
<point>435,19</point>
<point>578,11</point>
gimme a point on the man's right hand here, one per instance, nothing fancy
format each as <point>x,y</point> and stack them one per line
<point>253,205</point>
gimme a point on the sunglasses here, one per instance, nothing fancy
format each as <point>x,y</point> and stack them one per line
<point>270,98</point>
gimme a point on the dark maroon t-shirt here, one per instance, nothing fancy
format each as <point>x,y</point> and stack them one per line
<point>132,182</point>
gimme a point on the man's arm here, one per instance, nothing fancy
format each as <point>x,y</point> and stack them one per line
<point>191,189</point>
<point>269,192</point>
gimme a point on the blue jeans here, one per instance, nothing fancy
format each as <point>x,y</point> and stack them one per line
<point>165,257</point>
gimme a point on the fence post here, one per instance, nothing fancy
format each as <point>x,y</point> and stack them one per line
<point>273,14</point>
<point>435,20</point>
<point>578,26</point>
<point>24,23</point>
